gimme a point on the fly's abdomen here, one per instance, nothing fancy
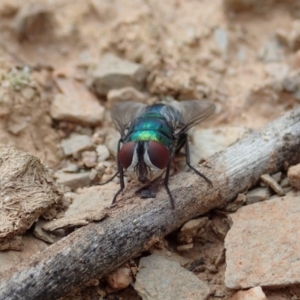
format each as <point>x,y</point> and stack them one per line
<point>150,127</point>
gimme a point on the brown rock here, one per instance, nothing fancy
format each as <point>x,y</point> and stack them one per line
<point>294,176</point>
<point>262,246</point>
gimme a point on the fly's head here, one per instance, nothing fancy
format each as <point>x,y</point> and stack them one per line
<point>146,159</point>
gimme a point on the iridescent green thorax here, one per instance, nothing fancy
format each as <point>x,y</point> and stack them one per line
<point>151,126</point>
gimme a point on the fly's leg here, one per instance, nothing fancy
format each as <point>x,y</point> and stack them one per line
<point>166,184</point>
<point>187,155</point>
<point>110,179</point>
<point>121,172</point>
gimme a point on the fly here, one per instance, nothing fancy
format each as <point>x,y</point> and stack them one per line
<point>152,135</point>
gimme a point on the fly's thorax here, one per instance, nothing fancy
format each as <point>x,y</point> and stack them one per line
<point>146,159</point>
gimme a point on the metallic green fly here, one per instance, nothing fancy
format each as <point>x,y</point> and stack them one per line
<point>152,135</point>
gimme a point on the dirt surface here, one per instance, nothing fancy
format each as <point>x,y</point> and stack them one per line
<point>220,50</point>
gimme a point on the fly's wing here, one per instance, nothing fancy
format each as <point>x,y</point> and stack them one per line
<point>123,113</point>
<point>192,112</point>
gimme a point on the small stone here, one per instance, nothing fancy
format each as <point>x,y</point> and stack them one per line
<point>218,66</point>
<point>76,143</point>
<point>102,153</point>
<point>220,225</point>
<point>73,181</point>
<point>189,230</point>
<point>186,247</point>
<point>277,176</point>
<point>272,51</point>
<point>255,293</point>
<point>43,235</point>
<point>89,158</point>
<point>236,204</point>
<point>267,252</point>
<point>257,195</point>
<point>125,94</point>
<point>161,279</point>
<point>115,73</point>
<point>221,39</point>
<point>76,104</point>
<point>71,168</point>
<point>285,182</point>
<point>120,279</point>
<point>294,176</point>
<point>271,182</point>
<point>28,93</point>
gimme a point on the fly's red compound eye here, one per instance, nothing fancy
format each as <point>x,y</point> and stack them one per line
<point>126,154</point>
<point>158,154</point>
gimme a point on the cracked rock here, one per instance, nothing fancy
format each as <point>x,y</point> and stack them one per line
<point>161,279</point>
<point>267,250</point>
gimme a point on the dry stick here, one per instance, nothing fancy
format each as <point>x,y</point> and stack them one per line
<point>135,224</point>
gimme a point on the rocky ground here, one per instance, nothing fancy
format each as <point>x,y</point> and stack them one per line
<point>64,64</point>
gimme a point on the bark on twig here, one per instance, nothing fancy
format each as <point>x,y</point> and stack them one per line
<point>135,224</point>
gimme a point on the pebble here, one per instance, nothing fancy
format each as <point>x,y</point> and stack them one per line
<point>220,225</point>
<point>120,279</point>
<point>267,250</point>
<point>43,235</point>
<point>271,182</point>
<point>76,104</point>
<point>161,279</point>
<point>125,94</point>
<point>285,182</point>
<point>236,204</point>
<point>115,73</point>
<point>186,247</point>
<point>277,176</point>
<point>89,158</point>
<point>74,180</point>
<point>255,293</point>
<point>257,195</point>
<point>190,229</point>
<point>294,176</point>
<point>102,153</point>
<point>221,39</point>
<point>76,143</point>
